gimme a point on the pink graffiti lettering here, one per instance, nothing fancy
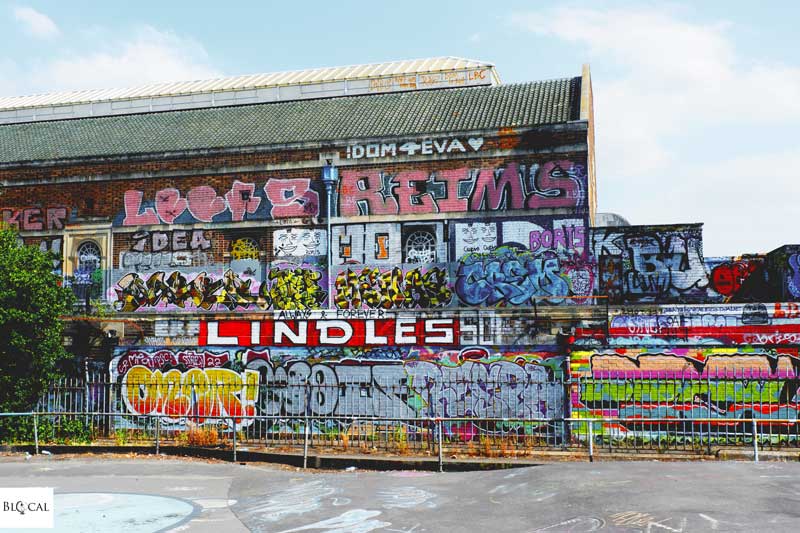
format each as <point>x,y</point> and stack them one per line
<point>204,204</point>
<point>409,195</point>
<point>241,199</point>
<point>35,218</point>
<point>292,198</point>
<point>170,205</point>
<point>372,192</point>
<point>571,237</point>
<point>56,217</point>
<point>133,204</point>
<point>492,192</point>
<point>557,184</point>
<point>289,197</point>
<point>372,188</point>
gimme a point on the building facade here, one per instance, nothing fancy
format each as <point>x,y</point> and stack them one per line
<point>456,243</point>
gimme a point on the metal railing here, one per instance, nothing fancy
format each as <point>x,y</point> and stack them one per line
<point>516,414</point>
<point>588,435</point>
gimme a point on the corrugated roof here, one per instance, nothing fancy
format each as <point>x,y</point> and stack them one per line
<point>302,121</point>
<point>254,81</point>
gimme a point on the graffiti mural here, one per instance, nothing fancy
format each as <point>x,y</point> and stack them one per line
<point>536,257</point>
<point>555,184</point>
<point>277,198</point>
<point>396,288</point>
<point>739,382</point>
<point>54,247</point>
<point>737,280</point>
<point>287,288</point>
<point>420,146</point>
<point>34,218</point>
<point>650,264</point>
<point>296,288</point>
<point>417,388</point>
<point>165,249</point>
<point>191,385</point>
<point>784,267</point>
<point>302,242</point>
<point>510,276</point>
<point>196,393</point>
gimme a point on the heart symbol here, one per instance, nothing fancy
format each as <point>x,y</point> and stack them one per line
<point>204,203</point>
<point>475,142</point>
<point>169,205</point>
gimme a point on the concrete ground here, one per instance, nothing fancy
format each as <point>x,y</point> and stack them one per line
<point>152,494</point>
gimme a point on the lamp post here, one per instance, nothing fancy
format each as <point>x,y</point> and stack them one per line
<point>330,177</point>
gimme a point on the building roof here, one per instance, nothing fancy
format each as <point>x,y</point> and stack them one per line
<point>323,120</point>
<point>431,73</point>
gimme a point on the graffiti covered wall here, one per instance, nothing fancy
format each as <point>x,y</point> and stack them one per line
<point>355,367</point>
<point>691,361</point>
<point>650,264</point>
<point>169,255</point>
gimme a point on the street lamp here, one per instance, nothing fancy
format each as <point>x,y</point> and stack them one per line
<point>330,177</point>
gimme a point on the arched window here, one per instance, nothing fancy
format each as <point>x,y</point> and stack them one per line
<point>87,279</point>
<point>89,257</point>
<point>421,247</point>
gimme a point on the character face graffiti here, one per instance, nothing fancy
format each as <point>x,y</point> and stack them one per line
<point>476,232</point>
<point>309,242</point>
<point>285,244</point>
<point>477,237</point>
<point>299,243</point>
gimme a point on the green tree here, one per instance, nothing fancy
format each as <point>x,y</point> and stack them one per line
<point>32,302</point>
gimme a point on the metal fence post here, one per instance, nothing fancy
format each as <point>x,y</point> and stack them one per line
<point>158,434</point>
<point>305,443</point>
<point>439,443</point>
<point>35,433</point>
<point>234,440</point>
<point>86,391</point>
<point>708,413</point>
<point>566,407</point>
<point>591,441</point>
<point>755,440</point>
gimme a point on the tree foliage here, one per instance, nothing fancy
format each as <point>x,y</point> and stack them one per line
<point>32,302</point>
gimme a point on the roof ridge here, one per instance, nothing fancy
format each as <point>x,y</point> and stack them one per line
<point>254,76</point>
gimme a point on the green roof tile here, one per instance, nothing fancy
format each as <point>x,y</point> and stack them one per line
<point>386,115</point>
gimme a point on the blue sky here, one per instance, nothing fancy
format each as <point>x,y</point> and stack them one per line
<point>697,103</point>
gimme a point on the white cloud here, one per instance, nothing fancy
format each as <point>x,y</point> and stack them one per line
<point>659,80</point>
<point>146,56</point>
<point>151,56</point>
<point>36,23</point>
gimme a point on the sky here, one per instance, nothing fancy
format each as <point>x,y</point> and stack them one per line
<point>697,103</point>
